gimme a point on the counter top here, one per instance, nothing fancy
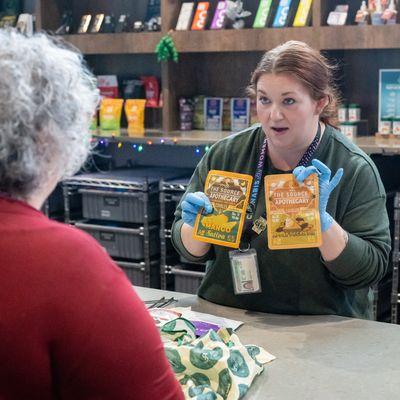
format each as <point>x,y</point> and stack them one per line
<point>318,357</point>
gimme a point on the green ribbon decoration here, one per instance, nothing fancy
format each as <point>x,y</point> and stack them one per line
<point>166,49</point>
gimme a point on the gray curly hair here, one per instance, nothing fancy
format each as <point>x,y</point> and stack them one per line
<point>47,99</point>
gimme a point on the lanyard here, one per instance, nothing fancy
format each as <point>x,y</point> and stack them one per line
<point>251,208</point>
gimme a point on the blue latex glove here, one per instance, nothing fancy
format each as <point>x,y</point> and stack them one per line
<point>191,205</point>
<point>326,186</point>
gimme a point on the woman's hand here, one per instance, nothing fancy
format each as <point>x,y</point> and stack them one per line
<point>191,205</point>
<point>326,186</point>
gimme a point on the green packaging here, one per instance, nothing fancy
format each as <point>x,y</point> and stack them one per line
<point>110,114</point>
<point>263,13</point>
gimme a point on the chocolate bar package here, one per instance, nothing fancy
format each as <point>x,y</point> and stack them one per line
<point>218,21</point>
<point>185,17</point>
<point>200,16</point>
<point>264,14</point>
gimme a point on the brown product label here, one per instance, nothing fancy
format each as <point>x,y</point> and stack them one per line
<point>229,195</point>
<point>293,219</point>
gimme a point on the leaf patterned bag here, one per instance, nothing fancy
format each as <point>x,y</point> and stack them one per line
<point>214,366</point>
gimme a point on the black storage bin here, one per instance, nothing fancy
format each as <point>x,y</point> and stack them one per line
<point>171,192</point>
<point>187,281</point>
<point>395,298</point>
<point>120,241</point>
<point>118,206</point>
<point>139,274</point>
<point>126,195</point>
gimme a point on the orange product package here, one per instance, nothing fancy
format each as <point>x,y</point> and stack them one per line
<point>293,220</point>
<point>134,110</point>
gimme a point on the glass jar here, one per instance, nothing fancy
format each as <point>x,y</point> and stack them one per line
<point>354,112</point>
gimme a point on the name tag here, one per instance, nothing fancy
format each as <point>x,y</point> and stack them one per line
<point>245,272</point>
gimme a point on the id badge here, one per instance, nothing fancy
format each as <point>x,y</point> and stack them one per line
<point>245,273</point>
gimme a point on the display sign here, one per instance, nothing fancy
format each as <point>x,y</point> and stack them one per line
<point>389,93</point>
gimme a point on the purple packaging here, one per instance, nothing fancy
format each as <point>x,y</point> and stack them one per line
<point>203,327</point>
<point>219,16</point>
<point>185,114</point>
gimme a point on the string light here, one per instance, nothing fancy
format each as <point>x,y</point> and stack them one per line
<point>197,151</point>
<point>149,142</point>
<point>140,148</point>
<point>119,145</point>
<point>207,148</point>
<point>162,141</point>
<point>134,146</point>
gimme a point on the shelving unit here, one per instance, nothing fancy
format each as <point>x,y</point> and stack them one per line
<point>212,58</point>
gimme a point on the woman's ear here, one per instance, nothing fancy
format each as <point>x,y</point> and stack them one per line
<point>321,104</point>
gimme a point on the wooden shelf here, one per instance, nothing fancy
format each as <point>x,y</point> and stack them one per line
<point>369,144</point>
<point>359,37</point>
<point>115,43</point>
<point>231,40</point>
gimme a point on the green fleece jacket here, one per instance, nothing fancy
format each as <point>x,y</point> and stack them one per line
<point>299,281</point>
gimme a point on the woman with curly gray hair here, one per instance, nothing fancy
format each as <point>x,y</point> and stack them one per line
<point>71,326</point>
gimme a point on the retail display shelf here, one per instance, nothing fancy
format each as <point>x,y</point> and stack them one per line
<point>369,144</point>
<point>232,40</point>
<point>115,43</point>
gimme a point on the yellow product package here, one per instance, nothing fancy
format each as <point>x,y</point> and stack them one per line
<point>110,114</point>
<point>229,195</point>
<point>134,110</point>
<point>293,219</point>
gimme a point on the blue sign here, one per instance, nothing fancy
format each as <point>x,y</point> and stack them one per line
<point>389,93</point>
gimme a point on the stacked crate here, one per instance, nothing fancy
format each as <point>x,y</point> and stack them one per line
<point>396,258</point>
<point>176,273</point>
<point>53,207</point>
<point>120,209</point>
<point>382,292</point>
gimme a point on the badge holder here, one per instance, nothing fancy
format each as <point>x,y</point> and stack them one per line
<point>245,273</point>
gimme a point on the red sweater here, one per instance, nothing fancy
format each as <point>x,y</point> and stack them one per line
<point>71,327</point>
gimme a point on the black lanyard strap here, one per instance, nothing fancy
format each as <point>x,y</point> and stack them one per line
<point>251,208</point>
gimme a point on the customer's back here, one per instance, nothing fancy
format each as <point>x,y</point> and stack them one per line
<point>71,325</point>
